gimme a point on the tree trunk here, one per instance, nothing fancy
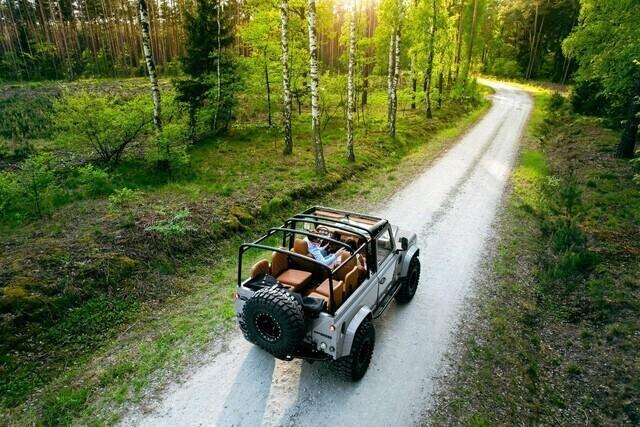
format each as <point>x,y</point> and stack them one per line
<point>286,82</point>
<point>350,84</point>
<point>440,88</point>
<point>459,40</point>
<point>365,85</point>
<point>148,56</point>
<point>472,37</point>
<point>414,80</point>
<point>532,42</point>
<point>429,73</point>
<point>218,71</point>
<point>321,169</point>
<point>627,146</point>
<point>390,71</point>
<point>266,79</point>
<point>396,80</point>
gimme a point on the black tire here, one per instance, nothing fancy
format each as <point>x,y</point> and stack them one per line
<point>273,320</point>
<point>354,366</point>
<point>410,282</point>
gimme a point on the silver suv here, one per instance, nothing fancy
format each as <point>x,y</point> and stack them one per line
<point>294,306</point>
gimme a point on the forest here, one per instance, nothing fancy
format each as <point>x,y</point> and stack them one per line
<point>140,140</point>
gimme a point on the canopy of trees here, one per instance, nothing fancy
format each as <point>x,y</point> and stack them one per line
<point>437,43</point>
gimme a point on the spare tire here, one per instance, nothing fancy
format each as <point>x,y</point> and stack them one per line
<point>273,320</point>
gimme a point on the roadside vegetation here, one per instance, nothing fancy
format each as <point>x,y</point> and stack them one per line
<point>555,336</point>
<point>142,140</point>
<point>102,251</point>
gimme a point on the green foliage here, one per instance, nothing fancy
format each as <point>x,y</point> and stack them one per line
<point>36,180</point>
<point>93,181</point>
<point>587,97</point>
<point>505,67</point>
<point>124,198</point>
<point>176,225</point>
<point>107,124</point>
<point>200,90</point>
<point>171,145</point>
<point>605,44</point>
<point>25,117</point>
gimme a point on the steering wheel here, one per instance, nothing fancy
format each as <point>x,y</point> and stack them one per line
<point>323,231</point>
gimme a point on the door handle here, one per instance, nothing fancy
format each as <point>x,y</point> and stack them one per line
<point>381,281</point>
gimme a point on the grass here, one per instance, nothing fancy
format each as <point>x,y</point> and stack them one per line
<point>555,336</point>
<point>143,284</point>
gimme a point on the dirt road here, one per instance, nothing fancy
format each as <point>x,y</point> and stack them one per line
<point>451,206</point>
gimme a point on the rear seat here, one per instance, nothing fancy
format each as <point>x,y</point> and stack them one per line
<point>295,278</point>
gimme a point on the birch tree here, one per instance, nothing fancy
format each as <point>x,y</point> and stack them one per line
<point>350,82</point>
<point>148,56</point>
<point>286,79</point>
<point>321,169</point>
<point>429,72</point>
<point>393,95</point>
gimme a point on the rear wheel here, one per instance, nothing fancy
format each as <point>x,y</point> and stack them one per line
<point>410,282</point>
<point>355,365</point>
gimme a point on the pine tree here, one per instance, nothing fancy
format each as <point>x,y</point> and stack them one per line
<point>209,63</point>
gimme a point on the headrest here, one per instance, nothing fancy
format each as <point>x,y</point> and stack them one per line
<point>300,246</point>
<point>260,268</point>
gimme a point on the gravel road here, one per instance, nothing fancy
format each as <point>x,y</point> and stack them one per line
<point>452,206</point>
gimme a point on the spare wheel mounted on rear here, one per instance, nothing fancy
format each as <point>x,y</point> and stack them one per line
<point>273,320</point>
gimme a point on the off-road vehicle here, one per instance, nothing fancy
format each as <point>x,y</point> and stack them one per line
<point>294,306</point>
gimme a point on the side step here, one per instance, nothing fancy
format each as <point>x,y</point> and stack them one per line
<point>388,297</point>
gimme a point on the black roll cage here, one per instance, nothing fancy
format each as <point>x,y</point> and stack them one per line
<point>307,217</point>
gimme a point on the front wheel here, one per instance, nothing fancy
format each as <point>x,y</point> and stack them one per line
<point>410,282</point>
<point>355,365</point>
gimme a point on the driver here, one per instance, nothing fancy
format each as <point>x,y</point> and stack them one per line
<point>319,251</point>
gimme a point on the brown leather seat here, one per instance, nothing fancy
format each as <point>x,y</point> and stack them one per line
<point>279,263</point>
<point>346,268</point>
<point>300,246</point>
<point>351,281</point>
<point>322,292</point>
<point>260,268</point>
<point>297,279</point>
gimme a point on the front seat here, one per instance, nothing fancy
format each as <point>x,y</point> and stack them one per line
<point>300,246</point>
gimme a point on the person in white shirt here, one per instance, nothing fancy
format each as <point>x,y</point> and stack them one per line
<point>318,251</point>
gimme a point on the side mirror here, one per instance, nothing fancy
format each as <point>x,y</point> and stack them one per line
<point>404,243</point>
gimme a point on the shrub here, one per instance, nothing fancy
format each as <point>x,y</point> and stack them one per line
<point>504,67</point>
<point>123,198</point>
<point>588,98</point>
<point>9,197</point>
<point>93,181</point>
<point>106,123</point>
<point>556,102</point>
<point>36,178</point>
<point>171,145</point>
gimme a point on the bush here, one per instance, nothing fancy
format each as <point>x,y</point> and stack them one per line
<point>25,116</point>
<point>556,102</point>
<point>588,98</point>
<point>123,198</point>
<point>10,195</point>
<point>504,67</point>
<point>36,178</point>
<point>93,181</point>
<point>171,145</point>
<point>106,123</point>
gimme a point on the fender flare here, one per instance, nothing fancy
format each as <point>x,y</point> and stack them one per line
<point>406,261</point>
<point>363,314</point>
